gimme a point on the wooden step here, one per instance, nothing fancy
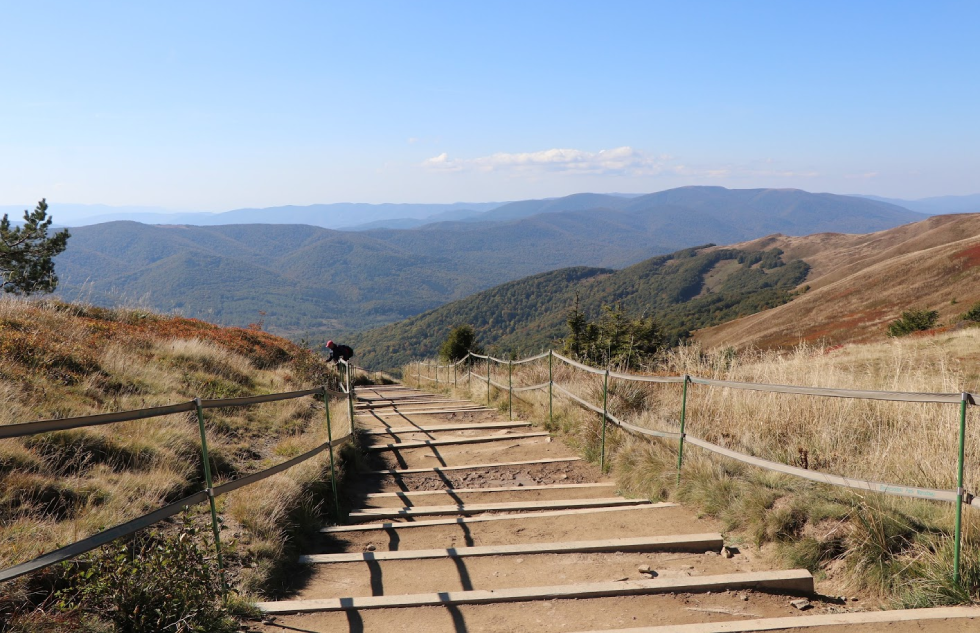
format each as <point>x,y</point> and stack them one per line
<point>682,543</point>
<point>438,469</point>
<point>458,491</point>
<point>335,529</point>
<point>812,621</point>
<point>391,403</point>
<point>473,426</point>
<point>476,508</point>
<point>797,581</point>
<point>389,414</point>
<point>480,439</point>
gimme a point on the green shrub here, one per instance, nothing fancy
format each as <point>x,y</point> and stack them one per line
<point>461,341</point>
<point>973,314</point>
<point>913,321</point>
<point>153,582</point>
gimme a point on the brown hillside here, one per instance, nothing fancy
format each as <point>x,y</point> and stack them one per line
<point>860,283</point>
<point>64,360</point>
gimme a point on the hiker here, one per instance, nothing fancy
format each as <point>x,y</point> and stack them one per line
<point>336,352</point>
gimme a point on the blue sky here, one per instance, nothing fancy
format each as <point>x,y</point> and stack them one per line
<point>219,105</point>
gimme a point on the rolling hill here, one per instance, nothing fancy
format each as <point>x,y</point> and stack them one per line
<point>860,283</point>
<point>310,281</point>
<point>683,291</point>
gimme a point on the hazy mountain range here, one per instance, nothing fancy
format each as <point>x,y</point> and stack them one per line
<point>938,205</point>
<point>358,216</point>
<point>310,280</point>
<point>332,216</point>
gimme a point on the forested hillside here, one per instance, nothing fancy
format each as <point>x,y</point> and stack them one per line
<point>685,290</point>
<point>305,281</point>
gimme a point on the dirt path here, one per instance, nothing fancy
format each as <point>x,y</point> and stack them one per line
<point>424,545</point>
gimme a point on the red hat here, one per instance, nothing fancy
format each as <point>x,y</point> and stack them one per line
<point>329,343</point>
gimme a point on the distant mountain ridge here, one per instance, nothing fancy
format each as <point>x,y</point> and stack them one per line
<point>335,216</point>
<point>310,280</point>
<point>938,205</point>
<point>363,216</point>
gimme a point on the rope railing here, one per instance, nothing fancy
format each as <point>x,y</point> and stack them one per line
<point>543,385</point>
<point>891,396</point>
<point>959,496</point>
<point>531,359</point>
<point>208,493</point>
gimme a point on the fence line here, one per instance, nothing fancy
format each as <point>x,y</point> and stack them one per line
<point>209,493</point>
<point>959,496</point>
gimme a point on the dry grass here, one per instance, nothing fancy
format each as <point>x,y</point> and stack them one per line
<point>62,360</point>
<point>858,284</point>
<point>889,546</point>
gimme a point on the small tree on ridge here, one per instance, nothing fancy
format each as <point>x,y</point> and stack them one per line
<point>27,253</point>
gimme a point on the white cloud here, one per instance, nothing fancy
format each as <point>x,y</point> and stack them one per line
<point>621,160</point>
<point>442,163</point>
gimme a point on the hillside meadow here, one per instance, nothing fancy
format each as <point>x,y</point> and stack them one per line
<point>65,360</point>
<point>893,548</point>
<point>858,284</point>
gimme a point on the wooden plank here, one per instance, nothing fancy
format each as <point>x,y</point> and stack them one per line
<point>682,543</point>
<point>481,439</point>
<point>474,426</point>
<point>456,491</point>
<point>812,621</point>
<point>400,403</point>
<point>379,396</point>
<point>408,471</point>
<point>388,414</point>
<point>367,527</point>
<point>401,396</point>
<point>795,581</point>
<point>476,508</point>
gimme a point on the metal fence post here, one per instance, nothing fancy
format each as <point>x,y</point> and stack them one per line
<point>205,458</point>
<point>680,447</point>
<point>488,380</point>
<point>551,419</point>
<point>437,373</point>
<point>333,471</point>
<point>959,490</point>
<point>605,394</point>
<point>510,388</point>
<point>350,398</point>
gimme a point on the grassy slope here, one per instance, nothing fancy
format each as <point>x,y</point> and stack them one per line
<point>860,283</point>
<point>62,360</point>
<point>894,548</point>
<point>681,290</point>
